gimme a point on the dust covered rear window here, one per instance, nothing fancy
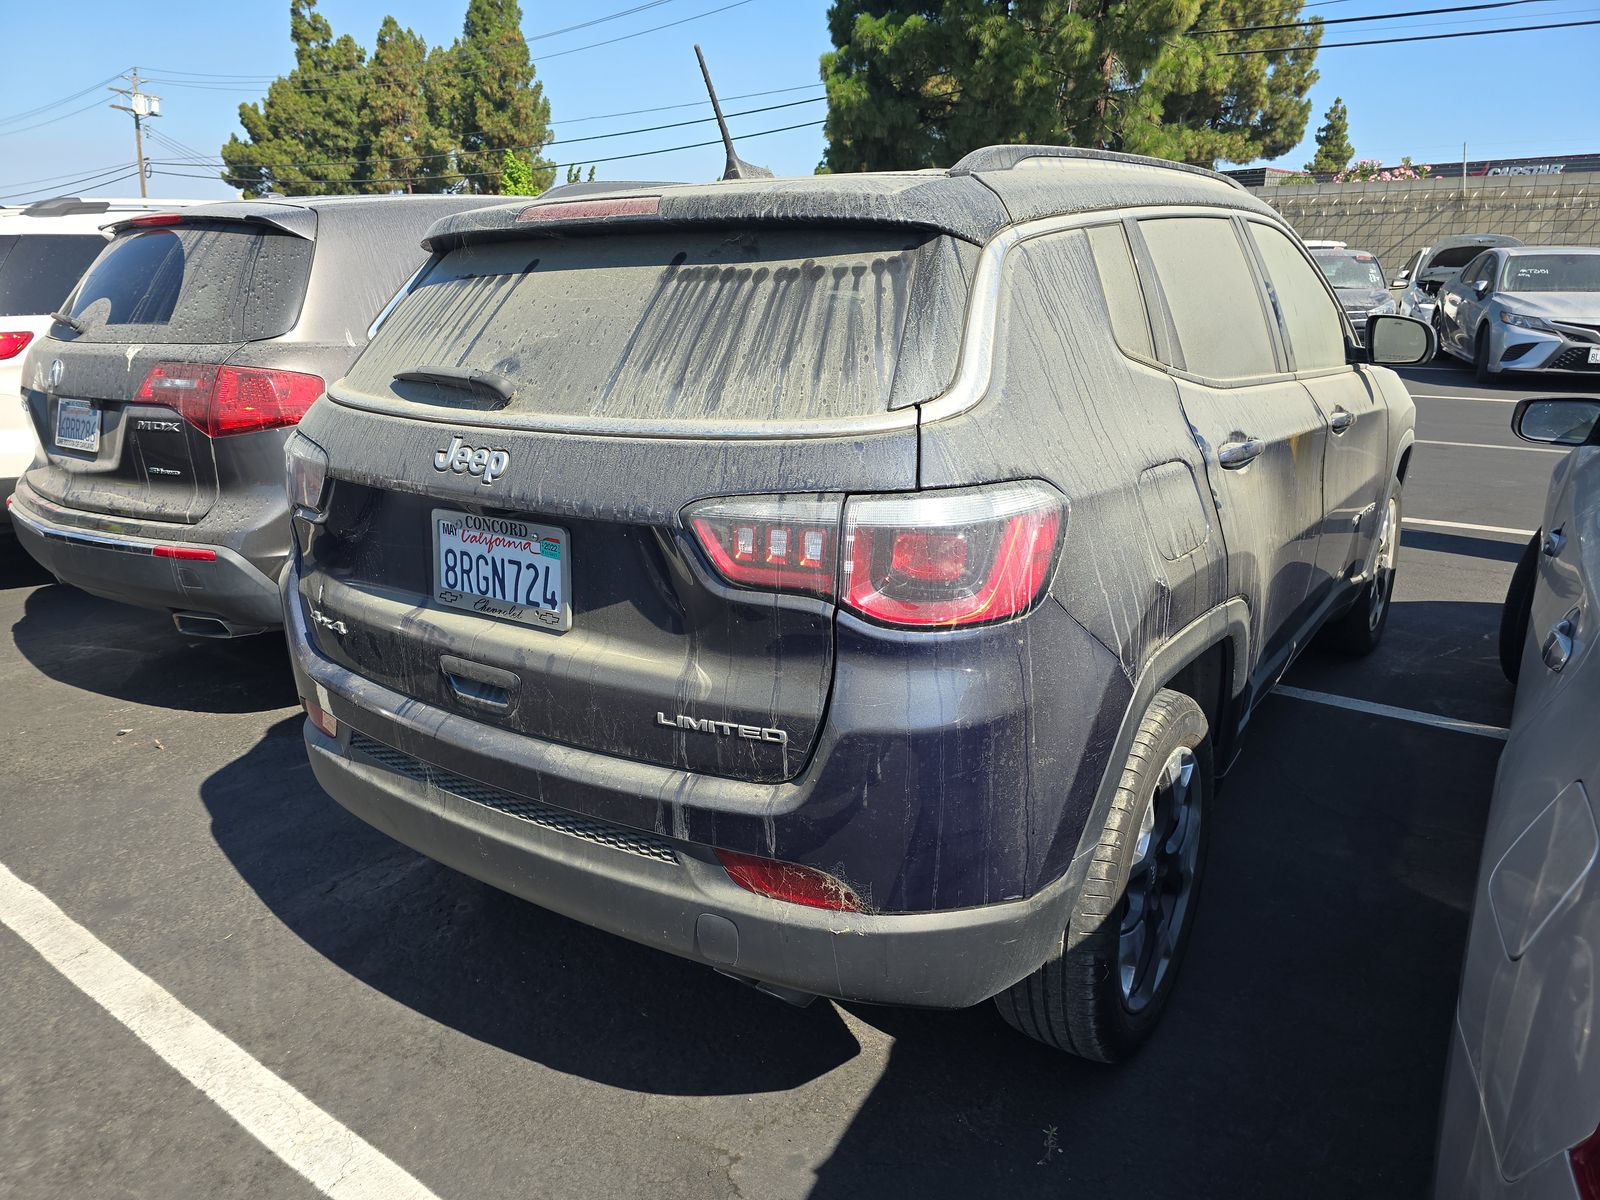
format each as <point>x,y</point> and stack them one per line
<point>697,324</point>
<point>222,282</point>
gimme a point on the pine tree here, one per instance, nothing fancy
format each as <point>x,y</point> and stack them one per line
<point>500,105</point>
<point>305,136</point>
<point>1334,150</point>
<point>398,139</point>
<point>919,84</point>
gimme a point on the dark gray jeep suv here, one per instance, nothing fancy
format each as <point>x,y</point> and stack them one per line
<point>853,583</point>
<point>163,394</point>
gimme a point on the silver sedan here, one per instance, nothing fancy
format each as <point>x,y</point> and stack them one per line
<point>1525,308</point>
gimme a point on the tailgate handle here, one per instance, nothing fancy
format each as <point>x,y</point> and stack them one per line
<point>478,684</point>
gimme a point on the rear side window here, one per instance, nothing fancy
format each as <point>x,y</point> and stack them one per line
<point>37,271</point>
<point>222,283</point>
<point>1453,257</point>
<point>682,325</point>
<point>1212,295</point>
<point>1310,316</point>
<point>1130,321</point>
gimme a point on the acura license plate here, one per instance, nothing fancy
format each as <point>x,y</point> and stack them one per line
<point>77,426</point>
<point>503,567</point>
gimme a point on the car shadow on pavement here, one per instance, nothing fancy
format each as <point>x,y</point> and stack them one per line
<point>17,568</point>
<point>494,967</point>
<point>1488,548</point>
<point>135,654</point>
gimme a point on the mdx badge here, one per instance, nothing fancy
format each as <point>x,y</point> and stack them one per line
<point>464,459</point>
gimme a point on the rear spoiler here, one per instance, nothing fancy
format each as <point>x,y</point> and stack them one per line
<point>288,218</point>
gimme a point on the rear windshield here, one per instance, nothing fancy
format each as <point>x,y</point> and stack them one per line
<point>217,283</point>
<point>1551,273</point>
<point>1350,269</point>
<point>37,270</point>
<point>678,325</point>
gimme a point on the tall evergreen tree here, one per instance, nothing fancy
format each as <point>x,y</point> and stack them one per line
<point>305,136</point>
<point>919,84</point>
<point>1334,150</point>
<point>500,104</point>
<point>398,140</point>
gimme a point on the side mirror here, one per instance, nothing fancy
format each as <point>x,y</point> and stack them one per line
<point>1556,420</point>
<point>1479,287</point>
<point>1395,341</point>
<point>1400,280</point>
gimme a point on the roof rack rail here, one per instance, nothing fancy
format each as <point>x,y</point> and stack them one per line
<point>1006,158</point>
<point>62,206</point>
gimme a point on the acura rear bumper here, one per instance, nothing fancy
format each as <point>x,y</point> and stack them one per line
<point>181,576</point>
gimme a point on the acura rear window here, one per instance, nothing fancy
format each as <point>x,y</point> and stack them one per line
<point>198,284</point>
<point>38,270</point>
<point>685,324</point>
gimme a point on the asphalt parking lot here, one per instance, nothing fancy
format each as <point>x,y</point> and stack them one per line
<point>156,790</point>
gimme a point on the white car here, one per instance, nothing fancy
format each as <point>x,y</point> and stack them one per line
<point>1433,266</point>
<point>44,248</point>
<point>1521,1114</point>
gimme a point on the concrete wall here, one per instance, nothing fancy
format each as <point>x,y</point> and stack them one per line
<point>1394,220</point>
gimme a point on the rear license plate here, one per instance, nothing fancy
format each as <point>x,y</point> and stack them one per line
<point>77,426</point>
<point>1594,354</point>
<point>502,567</point>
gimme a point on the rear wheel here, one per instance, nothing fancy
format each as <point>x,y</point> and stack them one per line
<point>1360,630</point>
<point>1102,992</point>
<point>1438,333</point>
<point>1515,611</point>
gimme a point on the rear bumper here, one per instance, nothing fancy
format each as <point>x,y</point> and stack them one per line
<point>644,884</point>
<point>107,563</point>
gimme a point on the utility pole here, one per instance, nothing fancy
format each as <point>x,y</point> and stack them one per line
<point>141,106</point>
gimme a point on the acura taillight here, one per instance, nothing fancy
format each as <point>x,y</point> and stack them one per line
<point>220,401</point>
<point>937,559</point>
<point>13,344</point>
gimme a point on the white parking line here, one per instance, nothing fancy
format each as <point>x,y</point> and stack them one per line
<point>1464,525</point>
<point>1415,716</point>
<point>1492,446</point>
<point>336,1161</point>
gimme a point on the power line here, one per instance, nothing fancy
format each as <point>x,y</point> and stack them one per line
<point>41,124</point>
<point>745,137</point>
<point>1421,37</point>
<point>93,181</point>
<point>627,12</point>
<point>593,137</point>
<point>33,112</point>
<point>244,81</point>
<point>6,188</point>
<point>1419,12</point>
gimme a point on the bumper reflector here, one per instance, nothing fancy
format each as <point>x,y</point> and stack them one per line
<point>788,881</point>
<point>193,553</point>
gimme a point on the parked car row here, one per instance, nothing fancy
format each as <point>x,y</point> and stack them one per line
<point>852,583</point>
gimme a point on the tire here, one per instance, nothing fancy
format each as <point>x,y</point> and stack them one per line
<point>1102,992</point>
<point>1438,332</point>
<point>1359,630</point>
<point>1480,358</point>
<point>1514,613</point>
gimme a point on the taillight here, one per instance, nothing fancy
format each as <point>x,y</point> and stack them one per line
<point>789,882</point>
<point>220,401</point>
<point>305,475</point>
<point>13,344</point>
<point>938,559</point>
<point>1585,1161</point>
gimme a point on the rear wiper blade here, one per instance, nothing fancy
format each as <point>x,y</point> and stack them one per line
<point>70,322</point>
<point>471,379</point>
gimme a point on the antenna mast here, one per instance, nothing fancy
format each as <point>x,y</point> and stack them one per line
<point>737,168</point>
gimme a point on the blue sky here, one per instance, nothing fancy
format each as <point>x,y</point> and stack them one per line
<point>1519,94</point>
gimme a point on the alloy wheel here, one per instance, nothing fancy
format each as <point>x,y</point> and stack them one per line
<point>1161,882</point>
<point>1384,564</point>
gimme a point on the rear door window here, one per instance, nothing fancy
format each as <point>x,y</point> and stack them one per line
<point>1212,295</point>
<point>1310,315</point>
<point>38,270</point>
<point>1130,320</point>
<point>227,282</point>
<point>695,324</point>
